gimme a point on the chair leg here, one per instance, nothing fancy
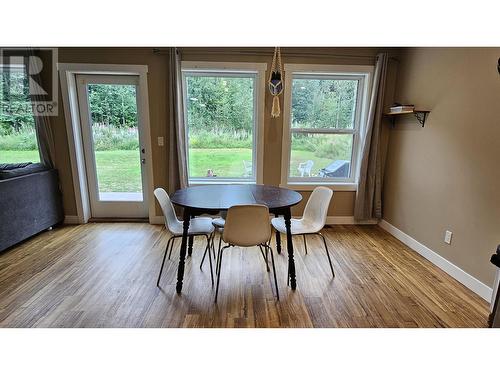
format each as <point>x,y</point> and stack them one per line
<point>217,263</point>
<point>207,249</point>
<point>163,262</point>
<point>264,256</point>
<point>274,272</point>
<point>327,253</point>
<point>305,243</point>
<point>210,260</point>
<point>221,252</point>
<point>171,247</point>
<point>212,245</point>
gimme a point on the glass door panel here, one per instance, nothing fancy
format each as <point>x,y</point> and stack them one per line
<point>115,136</point>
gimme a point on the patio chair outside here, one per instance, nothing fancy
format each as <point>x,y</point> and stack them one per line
<point>248,168</point>
<point>305,168</point>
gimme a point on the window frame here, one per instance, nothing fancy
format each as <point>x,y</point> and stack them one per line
<point>235,69</point>
<point>362,73</point>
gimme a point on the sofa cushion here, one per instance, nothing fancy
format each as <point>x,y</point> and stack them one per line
<point>16,172</point>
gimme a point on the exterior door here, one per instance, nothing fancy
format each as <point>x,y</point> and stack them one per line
<point>113,144</point>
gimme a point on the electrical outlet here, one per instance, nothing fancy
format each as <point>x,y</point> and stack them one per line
<point>447,237</point>
<point>160,141</point>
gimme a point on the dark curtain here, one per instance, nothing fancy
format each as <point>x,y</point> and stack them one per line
<point>44,133</point>
<point>368,204</point>
<point>177,135</point>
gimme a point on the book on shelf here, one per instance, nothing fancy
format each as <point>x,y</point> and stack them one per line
<point>402,108</point>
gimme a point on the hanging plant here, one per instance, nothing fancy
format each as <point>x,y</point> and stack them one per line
<point>276,82</point>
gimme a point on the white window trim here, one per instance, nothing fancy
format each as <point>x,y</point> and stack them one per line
<point>258,147</point>
<point>314,69</point>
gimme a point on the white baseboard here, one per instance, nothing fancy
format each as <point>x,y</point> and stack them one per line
<point>457,273</point>
<point>70,219</point>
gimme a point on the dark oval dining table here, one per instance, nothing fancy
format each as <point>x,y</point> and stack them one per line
<point>197,200</point>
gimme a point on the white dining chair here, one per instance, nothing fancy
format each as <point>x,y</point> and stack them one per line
<point>246,226</point>
<point>313,219</point>
<point>199,226</point>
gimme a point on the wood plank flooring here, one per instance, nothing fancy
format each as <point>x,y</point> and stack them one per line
<point>104,275</point>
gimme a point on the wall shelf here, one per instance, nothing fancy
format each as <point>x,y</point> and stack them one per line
<point>419,114</point>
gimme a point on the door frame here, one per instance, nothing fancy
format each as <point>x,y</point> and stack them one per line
<point>101,208</point>
<point>67,75</point>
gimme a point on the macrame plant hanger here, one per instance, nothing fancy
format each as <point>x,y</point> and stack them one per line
<point>276,82</point>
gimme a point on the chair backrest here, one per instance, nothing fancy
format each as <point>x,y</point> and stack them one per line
<point>247,225</point>
<point>167,208</point>
<point>317,207</point>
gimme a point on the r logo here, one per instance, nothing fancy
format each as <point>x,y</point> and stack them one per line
<point>39,68</point>
<point>35,67</point>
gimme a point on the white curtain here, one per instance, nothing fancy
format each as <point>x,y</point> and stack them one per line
<point>178,177</point>
<point>368,204</point>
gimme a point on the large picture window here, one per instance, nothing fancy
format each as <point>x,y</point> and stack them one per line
<point>323,125</point>
<point>18,141</point>
<point>222,124</point>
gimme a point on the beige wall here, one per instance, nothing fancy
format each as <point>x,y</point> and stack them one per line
<point>343,202</point>
<point>446,175</point>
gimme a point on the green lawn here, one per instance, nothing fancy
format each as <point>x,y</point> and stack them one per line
<point>119,171</point>
<point>19,156</point>
<point>225,162</point>
<point>229,162</point>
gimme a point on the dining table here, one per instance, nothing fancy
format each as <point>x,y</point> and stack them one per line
<point>212,199</point>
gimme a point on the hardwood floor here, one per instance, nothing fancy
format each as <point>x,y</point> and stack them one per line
<point>104,275</point>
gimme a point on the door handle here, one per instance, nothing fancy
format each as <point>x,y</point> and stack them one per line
<point>143,161</point>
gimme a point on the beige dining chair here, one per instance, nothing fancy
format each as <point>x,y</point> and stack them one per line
<point>313,219</point>
<point>199,226</point>
<point>246,226</point>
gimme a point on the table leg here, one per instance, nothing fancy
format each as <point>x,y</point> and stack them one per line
<point>289,245</point>
<point>190,246</point>
<point>278,239</point>
<point>182,260</point>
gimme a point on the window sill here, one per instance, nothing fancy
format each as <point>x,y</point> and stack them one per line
<point>309,186</point>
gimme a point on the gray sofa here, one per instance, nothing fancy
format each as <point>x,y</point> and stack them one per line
<point>30,201</point>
